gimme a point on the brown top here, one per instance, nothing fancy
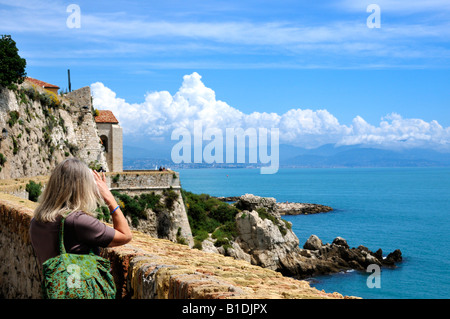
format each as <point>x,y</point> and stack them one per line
<point>42,83</point>
<point>105,116</point>
<point>81,234</point>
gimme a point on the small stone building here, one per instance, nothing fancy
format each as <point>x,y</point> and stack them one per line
<point>110,134</point>
<point>50,87</point>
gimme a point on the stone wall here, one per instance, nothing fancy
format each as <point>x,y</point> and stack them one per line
<point>114,147</point>
<point>130,182</point>
<point>42,135</point>
<point>170,224</point>
<point>146,268</point>
<point>143,181</point>
<point>86,134</point>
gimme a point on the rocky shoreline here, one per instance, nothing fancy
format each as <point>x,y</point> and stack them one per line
<point>266,240</point>
<point>288,208</point>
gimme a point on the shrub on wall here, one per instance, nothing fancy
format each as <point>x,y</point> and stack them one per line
<point>170,197</point>
<point>13,118</point>
<point>34,190</point>
<point>2,159</point>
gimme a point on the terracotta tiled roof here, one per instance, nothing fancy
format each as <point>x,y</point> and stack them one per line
<point>42,83</point>
<point>105,116</point>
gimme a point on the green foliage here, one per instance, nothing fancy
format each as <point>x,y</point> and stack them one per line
<point>47,99</point>
<point>95,165</point>
<point>103,213</point>
<point>34,190</point>
<point>2,159</point>
<point>115,179</point>
<point>224,234</point>
<point>62,123</point>
<point>282,227</point>
<point>263,214</point>
<point>201,235</point>
<point>74,149</point>
<point>197,244</point>
<point>32,93</point>
<point>15,145</point>
<point>13,118</point>
<point>170,197</point>
<point>206,215</point>
<point>12,66</point>
<point>136,206</point>
<point>181,239</point>
<point>287,224</point>
<point>223,212</point>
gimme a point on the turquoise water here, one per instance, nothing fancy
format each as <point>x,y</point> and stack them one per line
<point>387,208</point>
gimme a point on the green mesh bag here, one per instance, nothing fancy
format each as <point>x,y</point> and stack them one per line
<point>74,276</point>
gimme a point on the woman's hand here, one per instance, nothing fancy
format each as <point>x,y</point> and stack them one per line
<point>123,233</point>
<point>104,189</point>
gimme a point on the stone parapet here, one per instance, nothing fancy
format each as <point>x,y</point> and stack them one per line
<point>146,268</point>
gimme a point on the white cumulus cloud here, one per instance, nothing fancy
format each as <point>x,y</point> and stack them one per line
<point>160,113</point>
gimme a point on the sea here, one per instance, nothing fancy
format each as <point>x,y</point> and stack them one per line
<point>387,208</point>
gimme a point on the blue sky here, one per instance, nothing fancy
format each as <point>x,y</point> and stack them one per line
<point>257,57</point>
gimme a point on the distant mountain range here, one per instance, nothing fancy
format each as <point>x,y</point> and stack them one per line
<point>148,155</point>
<point>360,156</point>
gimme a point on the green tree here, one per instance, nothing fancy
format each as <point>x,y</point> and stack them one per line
<point>12,66</point>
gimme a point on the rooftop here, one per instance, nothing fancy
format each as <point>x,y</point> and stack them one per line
<point>42,83</point>
<point>105,116</point>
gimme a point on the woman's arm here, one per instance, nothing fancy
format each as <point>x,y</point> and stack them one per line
<point>123,233</point>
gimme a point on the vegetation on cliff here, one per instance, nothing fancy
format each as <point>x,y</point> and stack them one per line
<point>135,206</point>
<point>208,215</point>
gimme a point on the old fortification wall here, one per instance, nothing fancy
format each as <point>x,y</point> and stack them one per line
<point>39,129</point>
<point>146,268</point>
<point>170,224</point>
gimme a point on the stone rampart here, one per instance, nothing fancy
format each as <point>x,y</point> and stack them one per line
<point>130,182</point>
<point>135,182</point>
<point>145,268</point>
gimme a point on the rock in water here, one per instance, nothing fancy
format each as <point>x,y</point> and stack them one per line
<point>339,241</point>
<point>268,241</point>
<point>313,243</point>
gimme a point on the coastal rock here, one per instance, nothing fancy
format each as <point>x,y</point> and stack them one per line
<point>340,242</point>
<point>394,257</point>
<point>339,256</point>
<point>252,202</point>
<point>288,208</point>
<point>266,242</point>
<point>208,246</point>
<point>273,247</point>
<point>313,243</point>
<point>236,252</point>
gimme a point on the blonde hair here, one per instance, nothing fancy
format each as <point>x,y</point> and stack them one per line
<point>71,187</point>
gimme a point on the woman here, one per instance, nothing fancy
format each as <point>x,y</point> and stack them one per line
<point>74,191</point>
